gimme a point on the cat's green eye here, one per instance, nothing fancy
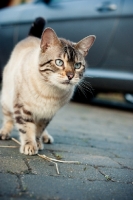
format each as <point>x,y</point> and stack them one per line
<point>59,62</point>
<point>77,65</point>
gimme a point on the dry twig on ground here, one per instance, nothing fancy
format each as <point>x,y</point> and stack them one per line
<point>52,160</point>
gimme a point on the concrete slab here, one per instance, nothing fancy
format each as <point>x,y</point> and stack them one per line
<point>101,140</point>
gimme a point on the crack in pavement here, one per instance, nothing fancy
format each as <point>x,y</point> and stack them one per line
<point>29,170</point>
<point>22,187</point>
<point>109,178</point>
<point>123,166</point>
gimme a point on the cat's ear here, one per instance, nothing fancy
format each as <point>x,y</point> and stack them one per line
<point>48,39</point>
<point>85,44</point>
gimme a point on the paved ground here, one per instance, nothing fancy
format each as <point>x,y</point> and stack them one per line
<point>100,139</point>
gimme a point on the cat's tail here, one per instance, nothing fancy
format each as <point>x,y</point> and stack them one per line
<point>37,27</point>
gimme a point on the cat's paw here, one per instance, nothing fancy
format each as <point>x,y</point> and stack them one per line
<point>47,138</point>
<point>29,149</point>
<point>4,135</point>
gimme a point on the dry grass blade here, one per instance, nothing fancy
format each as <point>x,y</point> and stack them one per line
<point>49,159</point>
<point>57,169</point>
<point>12,146</point>
<point>62,161</point>
<point>45,157</point>
<point>16,141</point>
<point>9,146</point>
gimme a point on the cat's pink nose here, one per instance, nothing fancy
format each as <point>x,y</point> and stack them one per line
<point>70,75</point>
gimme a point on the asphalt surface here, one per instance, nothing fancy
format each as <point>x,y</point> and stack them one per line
<point>100,138</point>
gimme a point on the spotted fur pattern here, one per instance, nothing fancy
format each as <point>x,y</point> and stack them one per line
<point>37,81</point>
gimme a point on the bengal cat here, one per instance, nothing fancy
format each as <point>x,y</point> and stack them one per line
<point>38,80</point>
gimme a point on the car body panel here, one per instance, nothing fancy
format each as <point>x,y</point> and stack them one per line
<point>116,69</point>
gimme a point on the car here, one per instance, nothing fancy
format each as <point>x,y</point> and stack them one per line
<point>110,60</point>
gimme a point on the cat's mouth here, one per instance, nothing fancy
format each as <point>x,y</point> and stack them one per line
<point>67,82</point>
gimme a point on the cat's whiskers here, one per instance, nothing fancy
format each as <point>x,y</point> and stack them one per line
<point>86,88</point>
<point>87,82</point>
<point>87,76</point>
<point>83,87</point>
<point>80,89</point>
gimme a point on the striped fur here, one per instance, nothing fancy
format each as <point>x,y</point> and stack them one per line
<point>35,87</point>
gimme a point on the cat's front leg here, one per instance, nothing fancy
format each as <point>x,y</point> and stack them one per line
<point>39,129</point>
<point>42,135</point>
<point>27,130</point>
<point>7,124</point>
<point>28,139</point>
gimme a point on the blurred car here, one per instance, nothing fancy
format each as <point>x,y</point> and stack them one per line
<point>110,60</point>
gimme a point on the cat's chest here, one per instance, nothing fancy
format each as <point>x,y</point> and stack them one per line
<point>46,108</point>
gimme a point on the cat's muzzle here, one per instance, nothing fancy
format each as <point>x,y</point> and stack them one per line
<point>66,82</point>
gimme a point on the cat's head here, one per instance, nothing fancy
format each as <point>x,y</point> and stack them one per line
<point>61,62</point>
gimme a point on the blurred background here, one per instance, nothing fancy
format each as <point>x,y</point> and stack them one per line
<point>6,3</point>
<point>109,74</point>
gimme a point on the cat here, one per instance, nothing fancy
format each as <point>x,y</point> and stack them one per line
<point>38,80</point>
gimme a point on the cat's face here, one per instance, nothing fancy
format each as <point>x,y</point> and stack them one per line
<point>61,62</point>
